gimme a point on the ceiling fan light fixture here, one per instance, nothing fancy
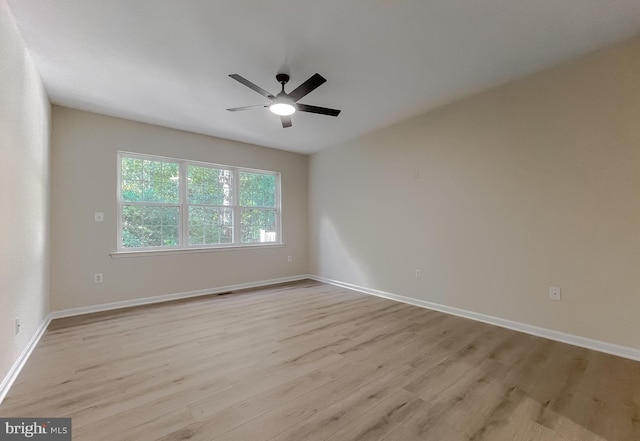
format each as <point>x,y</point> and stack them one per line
<point>283,108</point>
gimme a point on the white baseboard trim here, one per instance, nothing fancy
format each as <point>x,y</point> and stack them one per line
<point>575,340</point>
<point>168,297</point>
<point>10,378</point>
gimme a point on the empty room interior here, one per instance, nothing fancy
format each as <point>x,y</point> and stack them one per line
<point>386,221</point>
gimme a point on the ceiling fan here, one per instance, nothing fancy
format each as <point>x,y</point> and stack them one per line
<point>286,104</point>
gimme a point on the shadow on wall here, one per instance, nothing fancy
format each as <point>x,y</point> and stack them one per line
<point>342,265</point>
<point>24,174</point>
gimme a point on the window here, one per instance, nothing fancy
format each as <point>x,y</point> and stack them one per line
<point>170,203</point>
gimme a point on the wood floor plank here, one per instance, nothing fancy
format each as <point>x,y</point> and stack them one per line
<point>314,362</point>
<point>334,417</point>
<point>367,381</point>
<point>379,421</point>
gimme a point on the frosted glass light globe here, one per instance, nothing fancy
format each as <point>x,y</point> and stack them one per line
<point>282,108</point>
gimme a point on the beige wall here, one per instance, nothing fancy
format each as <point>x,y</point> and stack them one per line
<point>24,194</point>
<point>528,185</point>
<point>84,181</point>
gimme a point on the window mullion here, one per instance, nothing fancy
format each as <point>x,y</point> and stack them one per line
<point>278,208</point>
<point>235,199</point>
<point>119,199</point>
<point>184,207</point>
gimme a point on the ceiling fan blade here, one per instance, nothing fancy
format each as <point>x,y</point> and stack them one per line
<point>257,106</point>
<point>308,86</point>
<point>250,85</point>
<point>316,109</point>
<point>286,121</point>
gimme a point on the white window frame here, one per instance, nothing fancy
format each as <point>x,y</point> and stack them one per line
<point>184,206</point>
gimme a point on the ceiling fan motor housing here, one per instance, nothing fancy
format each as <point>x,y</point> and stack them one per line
<point>282,78</point>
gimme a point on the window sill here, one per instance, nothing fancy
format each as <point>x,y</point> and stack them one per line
<point>165,252</point>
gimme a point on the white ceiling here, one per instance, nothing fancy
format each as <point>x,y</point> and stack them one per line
<point>167,62</point>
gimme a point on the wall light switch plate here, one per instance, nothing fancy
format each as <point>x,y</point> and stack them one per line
<point>554,293</point>
<point>99,216</point>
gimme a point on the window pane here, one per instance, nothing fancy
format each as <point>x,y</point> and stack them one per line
<point>210,225</point>
<point>131,181</point>
<point>210,186</point>
<point>150,226</point>
<point>149,181</point>
<point>257,189</point>
<point>258,226</point>
<point>170,236</point>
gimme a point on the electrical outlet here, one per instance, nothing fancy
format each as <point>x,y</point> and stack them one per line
<point>289,259</point>
<point>97,278</point>
<point>418,275</point>
<point>17,325</point>
<point>554,293</point>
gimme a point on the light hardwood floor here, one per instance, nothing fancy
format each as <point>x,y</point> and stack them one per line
<point>308,361</point>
